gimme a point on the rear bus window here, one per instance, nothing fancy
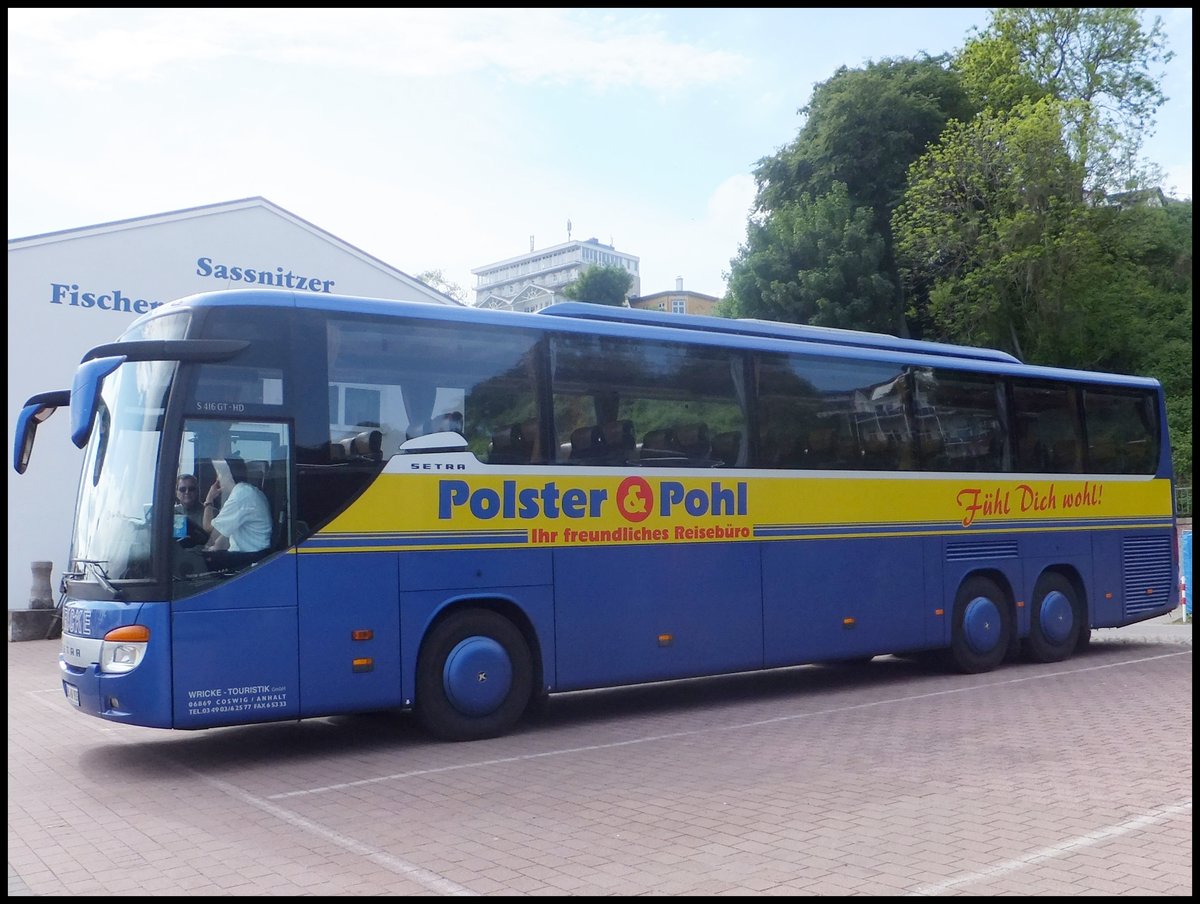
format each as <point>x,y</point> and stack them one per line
<point>1122,431</point>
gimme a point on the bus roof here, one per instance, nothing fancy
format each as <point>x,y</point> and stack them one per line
<point>705,328</point>
<point>771,329</point>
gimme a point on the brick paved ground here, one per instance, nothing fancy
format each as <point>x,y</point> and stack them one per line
<point>1067,779</point>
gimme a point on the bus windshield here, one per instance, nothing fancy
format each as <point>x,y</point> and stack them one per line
<point>116,485</point>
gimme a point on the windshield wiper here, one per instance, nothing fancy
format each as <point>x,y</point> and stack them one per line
<point>97,568</point>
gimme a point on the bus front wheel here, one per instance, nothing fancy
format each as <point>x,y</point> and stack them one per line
<point>1054,623</point>
<point>474,676</point>
<point>982,628</point>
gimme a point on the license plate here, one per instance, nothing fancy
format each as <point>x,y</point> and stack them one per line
<point>72,693</point>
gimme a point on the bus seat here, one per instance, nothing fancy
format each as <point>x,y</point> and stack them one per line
<point>513,445</point>
<point>451,421</point>
<point>256,472</point>
<point>726,447</point>
<point>531,434</point>
<point>368,444</point>
<point>660,444</point>
<point>619,441</point>
<point>693,439</point>
<point>274,486</point>
<point>587,443</point>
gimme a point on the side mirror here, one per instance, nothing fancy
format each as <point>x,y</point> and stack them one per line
<point>85,395</point>
<point>36,410</point>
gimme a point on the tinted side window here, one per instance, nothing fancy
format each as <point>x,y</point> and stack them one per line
<point>1122,431</point>
<point>960,421</point>
<point>653,404</point>
<point>1048,432</point>
<point>829,413</point>
<point>389,380</point>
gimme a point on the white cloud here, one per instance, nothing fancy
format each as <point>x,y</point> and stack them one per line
<point>84,47</point>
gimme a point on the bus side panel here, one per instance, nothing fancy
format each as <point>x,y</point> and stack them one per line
<point>1104,599</point>
<point>349,614</point>
<point>811,588</point>
<point>629,614</point>
<point>431,580</point>
<point>235,649</point>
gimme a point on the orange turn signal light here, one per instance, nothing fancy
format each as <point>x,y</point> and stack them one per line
<point>129,634</point>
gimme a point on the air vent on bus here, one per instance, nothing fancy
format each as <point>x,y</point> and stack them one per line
<point>964,550</point>
<point>1146,573</point>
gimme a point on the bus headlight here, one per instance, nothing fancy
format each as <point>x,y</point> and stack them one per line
<point>123,649</point>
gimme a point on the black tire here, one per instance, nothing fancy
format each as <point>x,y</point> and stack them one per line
<point>982,629</point>
<point>460,656</point>
<point>1055,620</point>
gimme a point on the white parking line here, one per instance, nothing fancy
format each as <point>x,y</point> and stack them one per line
<point>1157,815</point>
<point>426,878</point>
<point>740,726</point>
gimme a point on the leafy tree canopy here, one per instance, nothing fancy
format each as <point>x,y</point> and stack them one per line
<point>814,261</point>
<point>1100,59</point>
<point>846,168</point>
<point>601,285</point>
<point>863,128</point>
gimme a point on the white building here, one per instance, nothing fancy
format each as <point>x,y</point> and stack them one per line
<point>534,280</point>
<point>71,290</point>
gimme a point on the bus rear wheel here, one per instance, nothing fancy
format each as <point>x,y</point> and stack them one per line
<point>982,627</point>
<point>1054,623</point>
<point>474,676</point>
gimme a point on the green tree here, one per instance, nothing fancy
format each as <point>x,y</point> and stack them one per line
<point>1155,248</point>
<point>986,224</point>
<point>863,128</point>
<point>601,285</point>
<point>814,261</point>
<point>1099,59</point>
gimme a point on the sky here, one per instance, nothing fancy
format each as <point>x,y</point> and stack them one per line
<point>438,139</point>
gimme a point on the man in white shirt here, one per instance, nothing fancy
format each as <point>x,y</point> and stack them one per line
<point>241,522</point>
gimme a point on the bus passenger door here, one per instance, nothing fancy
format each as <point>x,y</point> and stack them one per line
<point>234,621</point>
<point>235,649</point>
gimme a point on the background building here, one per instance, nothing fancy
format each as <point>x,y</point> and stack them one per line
<point>534,280</point>
<point>677,302</point>
<point>71,290</point>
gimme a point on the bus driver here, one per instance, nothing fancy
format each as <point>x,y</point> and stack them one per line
<point>242,522</point>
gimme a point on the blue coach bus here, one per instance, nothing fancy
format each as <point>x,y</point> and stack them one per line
<point>463,511</point>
